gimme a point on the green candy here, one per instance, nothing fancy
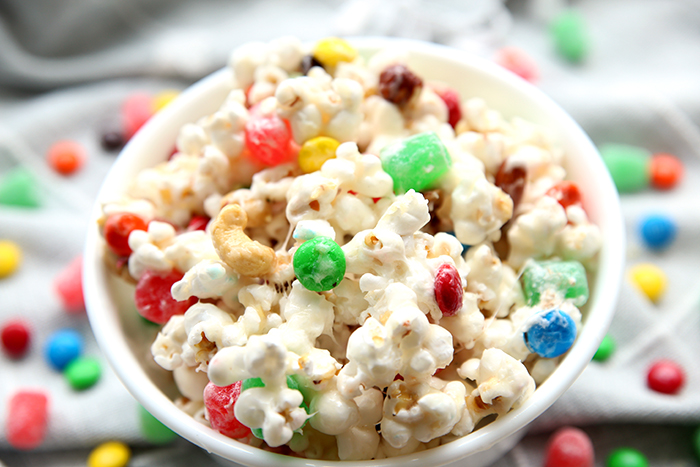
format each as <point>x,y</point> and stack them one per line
<point>696,442</point>
<point>626,457</point>
<point>568,278</point>
<point>319,264</point>
<point>83,372</point>
<point>416,162</point>
<point>628,166</point>
<point>292,383</point>
<point>19,188</point>
<point>570,36</point>
<point>153,430</point>
<point>605,350</point>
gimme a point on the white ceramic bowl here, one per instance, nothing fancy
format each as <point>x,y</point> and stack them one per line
<point>125,340</point>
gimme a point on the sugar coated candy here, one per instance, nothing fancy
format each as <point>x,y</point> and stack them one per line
<point>569,447</point>
<point>219,403</point>
<point>319,264</point>
<point>570,35</point>
<point>666,171</point>
<point>109,454</point>
<point>650,279</point>
<point>15,336</point>
<point>69,286</point>
<point>66,156</point>
<point>416,162</point>
<point>10,258</point>
<point>153,429</point>
<point>626,457</point>
<point>550,333</point>
<point>657,231</point>
<point>605,349</point>
<point>62,347</point>
<point>117,229</point>
<point>315,152</point>
<point>628,166</point>
<point>83,372</point>
<point>19,188</point>
<point>136,110</point>
<point>154,300</point>
<point>269,139</point>
<point>666,376</point>
<point>27,419</point>
<point>449,292</point>
<point>332,50</point>
<point>564,279</point>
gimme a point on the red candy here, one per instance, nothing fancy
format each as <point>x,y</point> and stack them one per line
<point>117,229</point>
<point>15,338</point>
<point>665,170</point>
<point>569,447</point>
<point>27,419</point>
<point>518,62</point>
<point>451,99</point>
<point>566,192</point>
<point>66,156</point>
<point>269,139</point>
<point>198,223</point>
<point>448,289</point>
<point>136,111</point>
<point>69,286</point>
<point>666,377</point>
<point>154,300</point>
<point>219,403</point>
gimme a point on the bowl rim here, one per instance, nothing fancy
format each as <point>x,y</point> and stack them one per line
<point>104,318</point>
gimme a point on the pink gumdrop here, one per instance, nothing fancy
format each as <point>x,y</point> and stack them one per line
<point>27,419</point>
<point>154,300</point>
<point>69,286</point>
<point>136,111</point>
<point>219,402</point>
<point>517,61</point>
<point>569,447</point>
<point>269,139</point>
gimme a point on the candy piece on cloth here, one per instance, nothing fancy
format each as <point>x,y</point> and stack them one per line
<point>332,50</point>
<point>62,347</point>
<point>163,98</point>
<point>416,162</point>
<point>550,333</point>
<point>109,454</point>
<point>449,291</point>
<point>154,300</point>
<point>399,85</point>
<point>626,457</point>
<point>518,62</point>
<point>69,286</point>
<point>451,99</point>
<point>319,264</point>
<point>19,188</point>
<point>117,229</point>
<point>657,231</point>
<point>15,336</point>
<point>66,156</point>
<point>219,403</point>
<point>666,377</point>
<point>605,349</point>
<point>628,166</point>
<point>83,372</point>
<point>569,447</point>
<point>566,279</point>
<point>112,141</point>
<point>10,258</point>
<point>650,279</point>
<point>570,35</point>
<point>153,430</point>
<point>315,152</point>
<point>566,192</point>
<point>511,178</point>
<point>27,419</point>
<point>666,171</point>
<point>136,110</point>
<point>269,139</point>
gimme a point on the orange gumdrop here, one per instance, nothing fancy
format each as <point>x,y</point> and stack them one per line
<point>666,171</point>
<point>66,156</point>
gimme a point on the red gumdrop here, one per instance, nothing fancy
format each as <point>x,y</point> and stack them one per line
<point>136,111</point>
<point>566,192</point>
<point>27,419</point>
<point>219,402</point>
<point>269,139</point>
<point>15,338</point>
<point>451,99</point>
<point>569,447</point>
<point>198,223</point>
<point>448,289</point>
<point>117,229</point>
<point>154,300</point>
<point>666,377</point>
<point>511,179</point>
<point>69,286</point>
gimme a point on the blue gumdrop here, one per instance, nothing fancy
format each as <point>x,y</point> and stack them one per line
<point>657,231</point>
<point>62,347</point>
<point>550,333</point>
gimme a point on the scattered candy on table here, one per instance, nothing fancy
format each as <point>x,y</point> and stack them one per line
<point>315,152</point>
<point>27,419</point>
<point>19,188</point>
<point>83,372</point>
<point>666,171</point>
<point>66,156</point>
<point>567,278</point>
<point>163,98</point>
<point>657,231</point>
<point>10,258</point>
<point>449,292</point>
<point>62,347</point>
<point>569,447</point>
<point>109,454</point>
<point>626,457</point>
<point>550,333</point>
<point>628,166</point>
<point>117,229</point>
<point>16,337</point>
<point>666,376</point>
<point>219,402</point>
<point>518,62</point>
<point>112,141</point>
<point>69,286</point>
<point>605,350</point>
<point>154,300</point>
<point>570,35</point>
<point>330,51</point>
<point>136,110</point>
<point>153,430</point>
<point>319,264</point>
<point>650,279</point>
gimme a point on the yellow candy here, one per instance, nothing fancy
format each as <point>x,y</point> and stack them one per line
<point>109,454</point>
<point>650,279</point>
<point>164,98</point>
<point>332,50</point>
<point>10,257</point>
<point>315,152</point>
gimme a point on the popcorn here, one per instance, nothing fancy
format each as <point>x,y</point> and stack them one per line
<point>533,234</point>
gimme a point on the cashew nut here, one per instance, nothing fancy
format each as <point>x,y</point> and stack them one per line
<point>245,256</point>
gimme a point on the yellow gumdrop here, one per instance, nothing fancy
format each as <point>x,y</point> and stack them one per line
<point>109,454</point>
<point>650,279</point>
<point>315,152</point>
<point>164,98</point>
<point>332,50</point>
<point>10,257</point>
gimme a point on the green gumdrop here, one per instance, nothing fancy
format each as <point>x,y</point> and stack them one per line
<point>83,372</point>
<point>319,264</point>
<point>19,188</point>
<point>153,430</point>
<point>626,457</point>
<point>628,166</point>
<point>570,36</point>
<point>416,162</point>
<point>565,277</point>
<point>292,383</point>
<point>605,350</point>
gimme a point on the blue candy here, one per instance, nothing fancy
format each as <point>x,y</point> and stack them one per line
<point>550,333</point>
<point>62,347</point>
<point>657,231</point>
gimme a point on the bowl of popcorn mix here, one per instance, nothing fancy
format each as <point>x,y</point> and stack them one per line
<point>368,251</point>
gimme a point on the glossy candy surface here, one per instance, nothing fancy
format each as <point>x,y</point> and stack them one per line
<point>666,171</point>
<point>27,419</point>
<point>628,166</point>
<point>117,229</point>
<point>569,447</point>
<point>448,289</point>
<point>666,376</point>
<point>416,162</point>
<point>10,258</point>
<point>153,430</point>
<point>330,51</point>
<point>399,85</point>
<point>550,333</point>
<point>657,231</point>
<point>15,336</point>
<point>136,110</point>
<point>566,192</point>
<point>319,264</point>
<point>109,454</point>
<point>626,457</point>
<point>268,138</point>
<point>66,157</point>
<point>650,279</point>
<point>565,278</point>
<point>69,286</point>
<point>570,35</point>
<point>153,298</point>
<point>19,188</point>
<point>315,152</point>
<point>219,403</point>
<point>62,347</point>
<point>83,372</point>
<point>605,350</point>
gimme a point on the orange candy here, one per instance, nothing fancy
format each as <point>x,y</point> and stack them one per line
<point>666,171</point>
<point>66,156</point>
